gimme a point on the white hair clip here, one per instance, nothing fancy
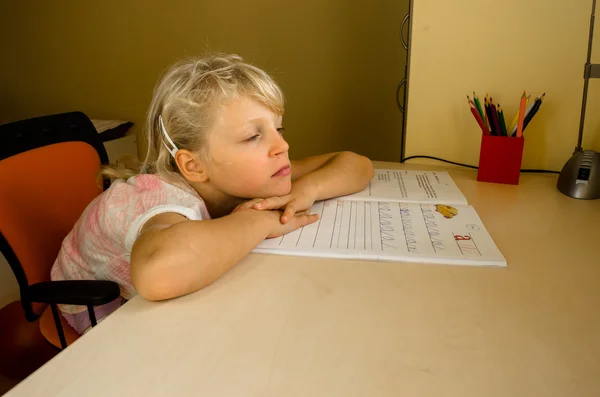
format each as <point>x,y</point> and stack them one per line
<point>172,148</point>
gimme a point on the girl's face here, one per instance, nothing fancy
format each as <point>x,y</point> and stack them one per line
<point>248,155</point>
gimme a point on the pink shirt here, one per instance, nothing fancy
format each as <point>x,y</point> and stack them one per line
<point>99,246</point>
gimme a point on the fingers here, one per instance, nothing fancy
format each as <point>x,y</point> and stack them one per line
<point>294,223</point>
<point>272,203</point>
<point>288,213</point>
<point>304,220</point>
<point>247,204</point>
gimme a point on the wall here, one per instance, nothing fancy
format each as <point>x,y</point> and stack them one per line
<point>500,48</point>
<point>338,61</point>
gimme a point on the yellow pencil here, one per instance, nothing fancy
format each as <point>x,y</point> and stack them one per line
<point>521,115</point>
<point>513,123</point>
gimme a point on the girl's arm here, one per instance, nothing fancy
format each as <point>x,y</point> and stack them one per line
<point>319,178</point>
<point>331,175</point>
<point>174,256</point>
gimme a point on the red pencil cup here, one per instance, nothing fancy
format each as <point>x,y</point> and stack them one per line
<point>500,159</point>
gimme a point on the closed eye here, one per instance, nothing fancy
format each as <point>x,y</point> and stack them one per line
<point>253,138</point>
<point>281,130</point>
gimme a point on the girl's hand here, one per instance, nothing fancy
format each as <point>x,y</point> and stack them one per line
<point>292,204</point>
<point>294,222</point>
<point>247,205</point>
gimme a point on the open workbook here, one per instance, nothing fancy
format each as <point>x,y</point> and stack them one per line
<point>408,216</point>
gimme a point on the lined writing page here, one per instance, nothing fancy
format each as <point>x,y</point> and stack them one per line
<point>391,231</point>
<point>411,186</point>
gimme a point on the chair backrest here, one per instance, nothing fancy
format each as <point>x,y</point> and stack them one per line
<point>46,182</point>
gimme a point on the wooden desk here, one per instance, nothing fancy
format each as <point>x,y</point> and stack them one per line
<point>286,326</point>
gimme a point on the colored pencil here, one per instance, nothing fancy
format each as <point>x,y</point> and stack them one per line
<point>529,106</point>
<point>469,101</point>
<point>488,112</point>
<point>495,118</point>
<point>521,115</point>
<point>513,123</point>
<point>534,110</point>
<point>479,109</point>
<point>477,115</point>
<point>512,130</point>
<point>502,121</point>
<point>478,118</point>
<point>472,105</point>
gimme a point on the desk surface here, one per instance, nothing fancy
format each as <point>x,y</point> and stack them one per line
<point>287,326</point>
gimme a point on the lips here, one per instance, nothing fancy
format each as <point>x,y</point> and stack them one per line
<point>283,171</point>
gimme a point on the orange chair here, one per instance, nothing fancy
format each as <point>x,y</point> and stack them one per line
<point>48,175</point>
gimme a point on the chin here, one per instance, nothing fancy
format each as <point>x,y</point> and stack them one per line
<point>281,192</point>
<point>265,191</point>
<point>281,189</point>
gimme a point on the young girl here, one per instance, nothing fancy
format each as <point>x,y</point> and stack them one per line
<point>216,181</point>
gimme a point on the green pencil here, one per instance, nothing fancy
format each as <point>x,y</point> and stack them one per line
<point>502,121</point>
<point>478,106</point>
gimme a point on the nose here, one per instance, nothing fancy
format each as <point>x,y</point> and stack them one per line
<point>278,146</point>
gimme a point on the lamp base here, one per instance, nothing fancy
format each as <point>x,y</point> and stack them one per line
<point>580,177</point>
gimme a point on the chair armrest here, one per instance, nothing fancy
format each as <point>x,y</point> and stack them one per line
<point>75,292</point>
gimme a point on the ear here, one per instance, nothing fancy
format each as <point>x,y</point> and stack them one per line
<point>191,166</point>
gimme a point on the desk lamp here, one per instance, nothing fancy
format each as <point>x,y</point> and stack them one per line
<point>580,176</point>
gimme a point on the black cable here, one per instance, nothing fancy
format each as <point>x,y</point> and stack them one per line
<point>541,171</point>
<point>472,166</point>
<point>398,104</point>
<point>438,159</point>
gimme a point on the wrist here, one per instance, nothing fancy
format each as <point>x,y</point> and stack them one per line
<point>264,221</point>
<point>306,188</point>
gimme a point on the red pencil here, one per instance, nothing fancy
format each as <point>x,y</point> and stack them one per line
<point>479,120</point>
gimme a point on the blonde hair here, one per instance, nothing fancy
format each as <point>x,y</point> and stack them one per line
<point>187,97</point>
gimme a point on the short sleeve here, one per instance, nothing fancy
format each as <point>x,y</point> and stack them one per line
<point>140,221</point>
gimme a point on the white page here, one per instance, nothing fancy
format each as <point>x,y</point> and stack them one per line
<point>392,231</point>
<point>411,186</point>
